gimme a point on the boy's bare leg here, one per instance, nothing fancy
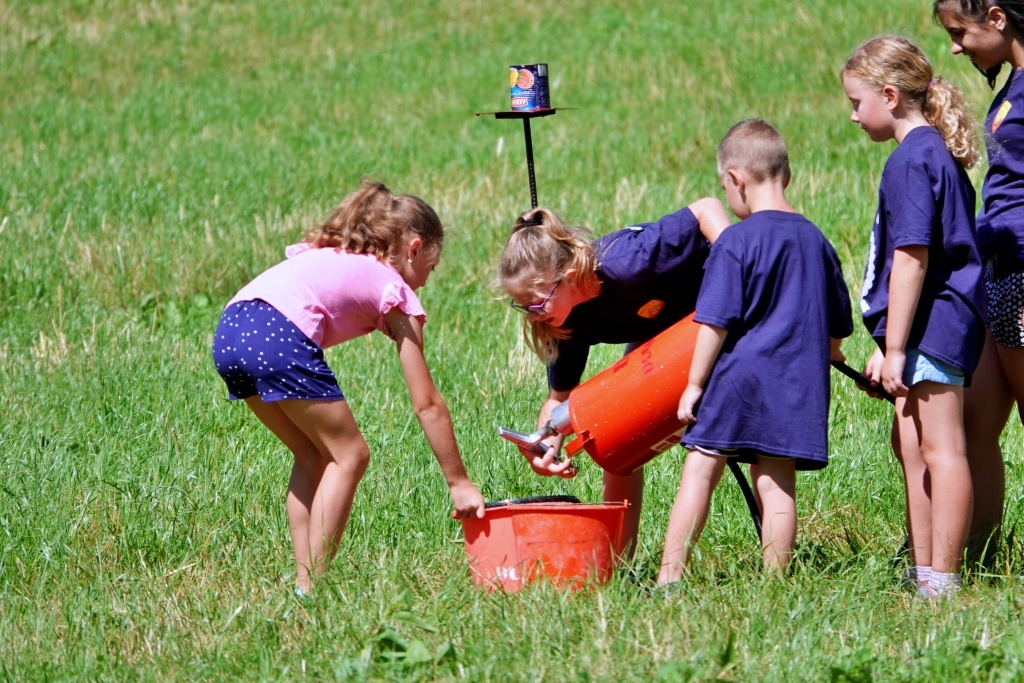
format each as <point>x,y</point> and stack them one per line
<point>701,473</point>
<point>775,480</point>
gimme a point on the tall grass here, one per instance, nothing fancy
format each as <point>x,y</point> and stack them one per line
<point>154,156</point>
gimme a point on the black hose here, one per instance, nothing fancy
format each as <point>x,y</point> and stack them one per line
<point>862,381</point>
<point>748,495</point>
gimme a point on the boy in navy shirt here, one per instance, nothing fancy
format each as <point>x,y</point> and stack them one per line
<point>772,310</point>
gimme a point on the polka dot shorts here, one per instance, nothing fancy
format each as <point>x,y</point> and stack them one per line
<point>259,351</point>
<point>1005,306</point>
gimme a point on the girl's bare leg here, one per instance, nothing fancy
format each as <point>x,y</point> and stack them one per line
<point>916,484</point>
<point>987,405</point>
<point>631,488</point>
<point>757,494</point>
<point>937,414</point>
<point>1012,361</point>
<point>330,459</point>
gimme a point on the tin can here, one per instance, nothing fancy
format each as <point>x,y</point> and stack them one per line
<point>529,87</point>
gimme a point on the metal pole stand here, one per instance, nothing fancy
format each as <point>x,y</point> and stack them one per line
<point>525,116</point>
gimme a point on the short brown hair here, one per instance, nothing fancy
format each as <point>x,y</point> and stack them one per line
<point>756,147</point>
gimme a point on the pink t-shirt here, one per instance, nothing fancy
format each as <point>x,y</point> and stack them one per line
<point>332,295</point>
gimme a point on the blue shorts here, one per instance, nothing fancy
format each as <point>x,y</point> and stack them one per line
<point>259,351</point>
<point>921,367</point>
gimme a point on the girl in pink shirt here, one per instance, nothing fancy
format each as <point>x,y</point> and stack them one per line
<point>357,272</point>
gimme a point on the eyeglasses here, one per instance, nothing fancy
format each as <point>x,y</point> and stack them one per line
<point>535,308</point>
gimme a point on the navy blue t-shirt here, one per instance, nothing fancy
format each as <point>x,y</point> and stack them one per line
<point>1001,221</point>
<point>926,199</point>
<point>775,284</point>
<point>650,274</point>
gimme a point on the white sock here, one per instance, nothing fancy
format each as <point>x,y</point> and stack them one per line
<point>944,583</point>
<point>923,575</point>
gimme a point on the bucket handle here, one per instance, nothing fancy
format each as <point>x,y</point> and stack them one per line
<point>534,499</point>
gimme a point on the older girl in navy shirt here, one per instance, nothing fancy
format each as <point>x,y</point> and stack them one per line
<point>991,33</point>
<point>923,296</point>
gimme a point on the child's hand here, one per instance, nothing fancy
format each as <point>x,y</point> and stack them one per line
<point>549,464</point>
<point>873,372</point>
<point>892,373</point>
<point>467,500</point>
<point>688,404</point>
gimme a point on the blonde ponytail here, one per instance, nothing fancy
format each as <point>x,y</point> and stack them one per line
<point>946,110</point>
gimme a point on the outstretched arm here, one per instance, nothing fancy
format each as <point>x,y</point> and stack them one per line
<point>712,217</point>
<point>710,340</point>
<point>432,413</point>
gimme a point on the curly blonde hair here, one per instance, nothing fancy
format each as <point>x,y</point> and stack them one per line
<point>895,61</point>
<point>373,220</point>
<point>542,248</point>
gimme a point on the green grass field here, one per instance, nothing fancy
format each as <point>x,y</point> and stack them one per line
<point>154,156</point>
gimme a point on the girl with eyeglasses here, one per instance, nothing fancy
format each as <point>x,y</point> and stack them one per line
<point>622,288</point>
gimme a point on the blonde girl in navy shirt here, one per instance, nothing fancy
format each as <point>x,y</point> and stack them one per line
<point>621,288</point>
<point>923,296</point>
<point>991,33</point>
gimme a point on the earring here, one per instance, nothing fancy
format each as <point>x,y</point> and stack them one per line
<point>410,260</point>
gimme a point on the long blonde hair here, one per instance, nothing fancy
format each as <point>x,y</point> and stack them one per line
<point>541,249</point>
<point>372,220</point>
<point>895,61</point>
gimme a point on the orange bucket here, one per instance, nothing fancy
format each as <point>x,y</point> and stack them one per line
<point>553,537</point>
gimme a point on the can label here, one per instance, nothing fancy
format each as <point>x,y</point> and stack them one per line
<point>529,87</point>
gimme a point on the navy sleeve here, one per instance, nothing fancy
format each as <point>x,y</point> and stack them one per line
<point>840,323</point>
<point>641,253</point>
<point>565,372</point>
<point>720,302</point>
<point>911,205</point>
